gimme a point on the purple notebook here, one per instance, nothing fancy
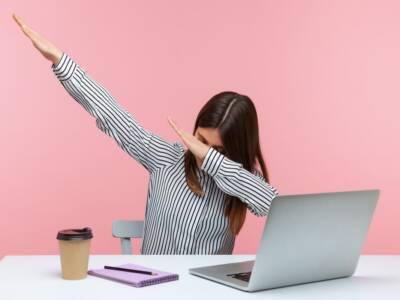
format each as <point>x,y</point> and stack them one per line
<point>134,279</point>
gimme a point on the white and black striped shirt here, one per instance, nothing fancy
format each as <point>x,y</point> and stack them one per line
<point>177,221</point>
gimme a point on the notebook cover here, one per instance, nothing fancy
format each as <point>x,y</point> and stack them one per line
<point>134,279</point>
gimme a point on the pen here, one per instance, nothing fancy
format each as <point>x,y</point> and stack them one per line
<point>129,270</point>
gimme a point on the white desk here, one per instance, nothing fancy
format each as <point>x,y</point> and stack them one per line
<point>38,277</point>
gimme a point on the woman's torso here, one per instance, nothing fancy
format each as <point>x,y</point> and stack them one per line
<point>177,221</point>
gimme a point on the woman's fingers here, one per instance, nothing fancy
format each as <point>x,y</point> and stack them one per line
<point>18,20</point>
<point>21,24</point>
<point>45,47</point>
<point>186,137</point>
<point>25,29</point>
<point>178,131</point>
<point>29,32</point>
<point>197,147</point>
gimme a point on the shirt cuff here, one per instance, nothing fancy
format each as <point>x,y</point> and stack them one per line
<point>64,68</point>
<point>212,161</point>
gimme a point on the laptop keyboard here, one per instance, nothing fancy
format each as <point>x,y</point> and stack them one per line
<point>245,276</point>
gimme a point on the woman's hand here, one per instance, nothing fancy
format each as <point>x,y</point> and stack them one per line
<point>47,49</point>
<point>198,148</point>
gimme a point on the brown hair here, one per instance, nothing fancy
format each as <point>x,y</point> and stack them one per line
<point>236,118</point>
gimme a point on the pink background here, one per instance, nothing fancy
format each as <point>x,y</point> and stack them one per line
<point>324,76</point>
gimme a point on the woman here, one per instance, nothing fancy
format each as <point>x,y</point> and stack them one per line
<point>197,199</point>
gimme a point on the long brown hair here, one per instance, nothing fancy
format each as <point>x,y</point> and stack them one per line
<point>236,118</point>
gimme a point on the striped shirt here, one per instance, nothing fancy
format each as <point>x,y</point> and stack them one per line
<point>177,221</point>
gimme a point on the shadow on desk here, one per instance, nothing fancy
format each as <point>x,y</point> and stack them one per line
<point>345,286</point>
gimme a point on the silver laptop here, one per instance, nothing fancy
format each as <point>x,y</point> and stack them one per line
<point>306,238</point>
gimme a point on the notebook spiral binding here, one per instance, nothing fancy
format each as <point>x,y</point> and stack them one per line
<point>160,280</point>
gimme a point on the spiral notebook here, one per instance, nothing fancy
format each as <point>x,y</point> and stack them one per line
<point>134,279</point>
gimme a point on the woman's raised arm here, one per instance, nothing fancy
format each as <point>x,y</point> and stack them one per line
<point>147,148</point>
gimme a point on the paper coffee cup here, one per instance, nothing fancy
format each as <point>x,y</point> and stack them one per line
<point>74,245</point>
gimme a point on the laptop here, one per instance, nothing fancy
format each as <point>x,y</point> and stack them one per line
<point>306,238</point>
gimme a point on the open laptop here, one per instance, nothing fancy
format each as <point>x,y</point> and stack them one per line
<point>306,238</point>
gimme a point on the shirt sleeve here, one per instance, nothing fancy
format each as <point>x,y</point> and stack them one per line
<point>233,179</point>
<point>147,148</point>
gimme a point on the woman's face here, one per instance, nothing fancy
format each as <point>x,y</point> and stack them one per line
<point>210,137</point>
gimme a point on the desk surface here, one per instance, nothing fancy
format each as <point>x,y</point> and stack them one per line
<point>38,277</point>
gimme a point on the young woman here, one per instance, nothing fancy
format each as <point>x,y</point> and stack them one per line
<point>197,198</point>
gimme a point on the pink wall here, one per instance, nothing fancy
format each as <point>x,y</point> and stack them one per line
<point>324,76</point>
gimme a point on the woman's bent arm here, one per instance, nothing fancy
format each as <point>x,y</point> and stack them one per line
<point>234,180</point>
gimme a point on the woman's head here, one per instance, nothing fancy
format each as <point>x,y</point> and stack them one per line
<point>228,122</point>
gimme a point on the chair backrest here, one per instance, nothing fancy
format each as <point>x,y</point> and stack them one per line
<point>125,230</point>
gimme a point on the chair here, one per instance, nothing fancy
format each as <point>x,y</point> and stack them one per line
<point>125,230</point>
